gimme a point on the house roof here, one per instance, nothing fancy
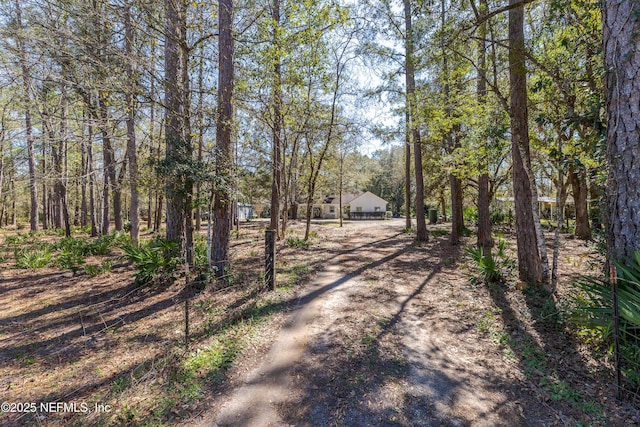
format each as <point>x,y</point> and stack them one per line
<point>334,200</point>
<point>368,194</point>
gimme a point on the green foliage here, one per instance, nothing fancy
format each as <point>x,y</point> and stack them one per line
<point>594,313</point>
<point>95,270</point>
<point>155,261</point>
<point>200,260</point>
<point>33,258</point>
<point>497,216</point>
<point>103,245</point>
<point>470,214</point>
<point>15,239</point>
<point>594,302</point>
<point>297,243</point>
<point>69,259</point>
<point>493,268</point>
<point>66,253</point>
<point>215,359</point>
<point>440,232</point>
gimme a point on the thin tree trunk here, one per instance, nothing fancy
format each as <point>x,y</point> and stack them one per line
<point>152,123</point>
<point>340,67</point>
<point>421,225</point>
<point>200,118</point>
<point>3,194</point>
<point>159,212</point>
<point>531,248</point>
<point>61,179</point>
<point>92,195</point>
<point>134,213</point>
<point>188,147</point>
<point>224,132</point>
<point>76,199</point>
<point>455,185</point>
<point>84,167</point>
<point>46,216</point>
<point>26,86</point>
<point>485,241</point>
<point>276,181</point>
<point>340,187</point>
<point>456,196</point>
<point>117,200</point>
<point>109,167</point>
<point>174,123</point>
<point>14,214</point>
<point>407,171</point>
<point>579,189</point>
<point>561,197</point>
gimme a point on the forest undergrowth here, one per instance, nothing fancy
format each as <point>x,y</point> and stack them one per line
<point>82,330</point>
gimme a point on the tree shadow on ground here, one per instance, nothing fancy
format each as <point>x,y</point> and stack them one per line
<point>547,357</point>
<point>163,359</point>
<point>360,371</point>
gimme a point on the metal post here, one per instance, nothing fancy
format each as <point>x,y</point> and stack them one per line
<point>616,330</point>
<point>270,259</point>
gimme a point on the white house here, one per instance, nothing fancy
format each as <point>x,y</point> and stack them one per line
<point>367,206</point>
<point>329,208</point>
<point>245,211</point>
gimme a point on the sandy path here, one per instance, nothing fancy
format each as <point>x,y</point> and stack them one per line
<point>268,386</point>
<point>306,379</point>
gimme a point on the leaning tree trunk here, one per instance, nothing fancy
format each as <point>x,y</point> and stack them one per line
<point>621,24</point>
<point>530,264</point>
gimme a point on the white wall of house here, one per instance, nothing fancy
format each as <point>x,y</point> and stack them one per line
<point>368,202</point>
<point>330,211</point>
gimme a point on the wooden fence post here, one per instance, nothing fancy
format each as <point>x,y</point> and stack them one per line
<point>270,259</point>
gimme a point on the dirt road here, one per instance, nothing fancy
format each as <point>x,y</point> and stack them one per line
<point>377,338</point>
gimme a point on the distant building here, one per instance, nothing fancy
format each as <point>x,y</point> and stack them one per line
<point>367,206</point>
<point>364,206</point>
<point>245,212</point>
<point>546,206</point>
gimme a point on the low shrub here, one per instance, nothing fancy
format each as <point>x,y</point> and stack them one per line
<point>497,216</point>
<point>93,270</point>
<point>155,261</point>
<point>69,259</point>
<point>593,313</point>
<point>33,258</point>
<point>297,242</point>
<point>494,268</point>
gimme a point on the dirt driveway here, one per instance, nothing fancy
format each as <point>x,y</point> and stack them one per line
<point>389,333</point>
